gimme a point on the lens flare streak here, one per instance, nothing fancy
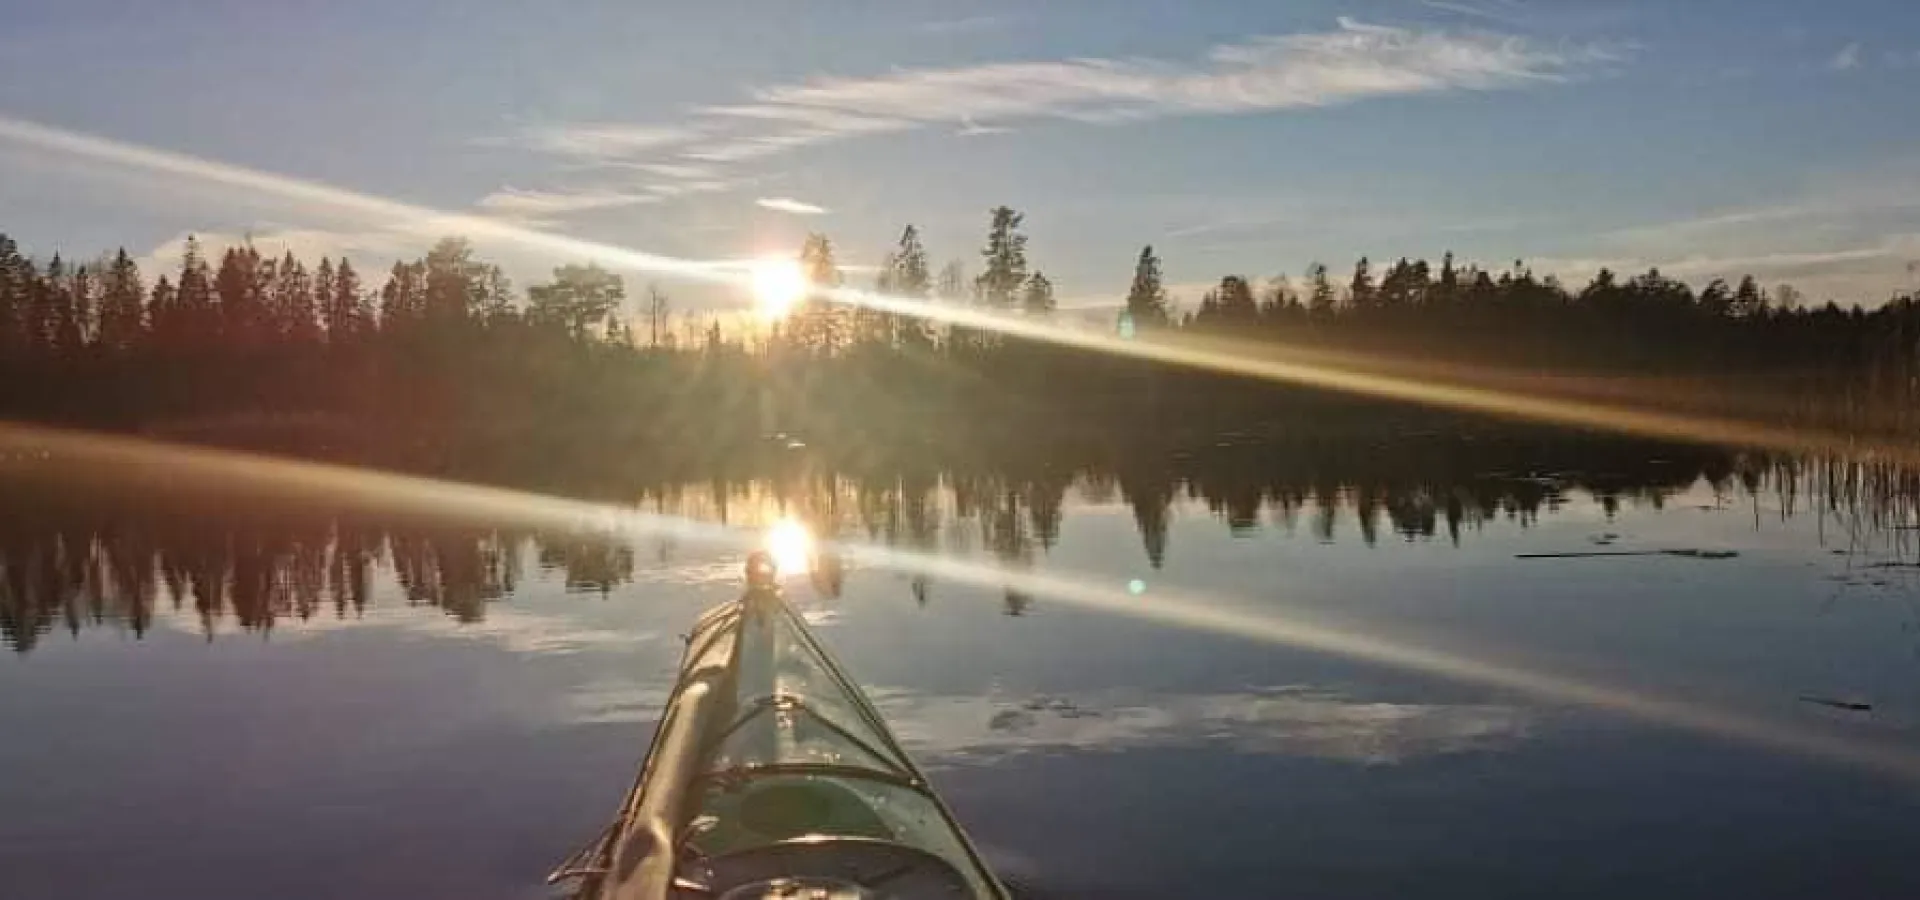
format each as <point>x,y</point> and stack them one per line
<point>1450,387</point>
<point>323,483</point>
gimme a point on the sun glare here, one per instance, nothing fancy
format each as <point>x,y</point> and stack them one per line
<point>791,546</point>
<point>778,285</point>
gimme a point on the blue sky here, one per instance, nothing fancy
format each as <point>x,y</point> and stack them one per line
<point>1711,137</point>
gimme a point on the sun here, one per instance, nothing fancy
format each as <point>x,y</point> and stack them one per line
<point>790,545</point>
<point>778,286</point>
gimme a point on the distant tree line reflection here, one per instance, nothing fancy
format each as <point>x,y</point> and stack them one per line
<point>71,560</point>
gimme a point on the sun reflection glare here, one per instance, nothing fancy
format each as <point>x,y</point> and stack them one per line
<point>791,546</point>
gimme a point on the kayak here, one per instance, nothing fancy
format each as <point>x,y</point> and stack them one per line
<point>772,776</point>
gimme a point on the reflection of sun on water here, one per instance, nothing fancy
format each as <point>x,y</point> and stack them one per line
<point>791,546</point>
<point>778,286</point>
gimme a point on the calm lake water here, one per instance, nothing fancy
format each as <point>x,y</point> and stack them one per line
<point>219,697</point>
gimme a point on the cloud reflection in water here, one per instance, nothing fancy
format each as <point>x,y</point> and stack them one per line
<point>1292,721</point>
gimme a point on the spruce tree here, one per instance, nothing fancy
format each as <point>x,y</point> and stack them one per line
<point>16,283</point>
<point>1147,298</point>
<point>818,324</point>
<point>1005,257</point>
<point>1037,300</point>
<point>1361,290</point>
<point>122,313</point>
<point>907,276</point>
<point>199,316</point>
<point>1321,297</point>
<point>235,286</point>
<point>163,313</point>
<point>74,316</point>
<point>44,304</point>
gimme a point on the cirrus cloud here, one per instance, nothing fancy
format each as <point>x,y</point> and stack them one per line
<point>790,205</point>
<point>513,201</point>
<point>1353,62</point>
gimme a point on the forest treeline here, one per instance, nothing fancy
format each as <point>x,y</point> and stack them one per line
<point>442,352</point>
<point>105,555</point>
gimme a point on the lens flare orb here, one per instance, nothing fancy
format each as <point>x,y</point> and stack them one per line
<point>778,287</point>
<point>791,545</point>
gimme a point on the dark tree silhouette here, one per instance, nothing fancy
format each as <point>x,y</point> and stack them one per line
<point>447,367</point>
<point>1147,297</point>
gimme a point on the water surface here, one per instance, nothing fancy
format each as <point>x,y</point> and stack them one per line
<point>221,697</point>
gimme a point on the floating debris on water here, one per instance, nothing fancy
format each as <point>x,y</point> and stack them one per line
<point>1848,705</point>
<point>1688,553</point>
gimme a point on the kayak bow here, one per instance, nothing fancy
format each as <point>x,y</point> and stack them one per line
<point>772,776</point>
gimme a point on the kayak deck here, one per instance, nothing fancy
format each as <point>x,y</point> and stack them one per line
<point>773,776</point>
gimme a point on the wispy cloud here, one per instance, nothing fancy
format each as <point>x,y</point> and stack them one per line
<point>678,171</point>
<point>1503,11</point>
<point>685,188</point>
<point>600,140</point>
<point>1357,61</point>
<point>513,201</point>
<point>1351,63</point>
<point>790,205</point>
<point>1847,59</point>
<point>970,128</point>
<point>965,25</point>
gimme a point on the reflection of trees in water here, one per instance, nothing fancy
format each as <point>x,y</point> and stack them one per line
<point>71,562</point>
<point>115,562</point>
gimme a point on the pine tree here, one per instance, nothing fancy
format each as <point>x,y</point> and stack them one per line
<point>907,276</point>
<point>323,296</point>
<point>493,304</point>
<point>1447,291</point>
<point>295,321</point>
<point>199,316</point>
<point>910,277</point>
<point>74,326</point>
<point>235,284</point>
<point>365,303</point>
<point>580,300</point>
<point>163,312</point>
<point>348,313</point>
<point>1748,300</point>
<point>1281,301</point>
<point>122,313</point>
<point>44,305</point>
<point>1038,300</point>
<point>16,283</point>
<point>1209,311</point>
<point>1147,298</point>
<point>403,299</point>
<point>1235,301</point>
<point>1403,286</point>
<point>819,324</point>
<point>1361,290</point>
<point>1602,293</point>
<point>454,283</point>
<point>1006,260</point>
<point>1321,297</point>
